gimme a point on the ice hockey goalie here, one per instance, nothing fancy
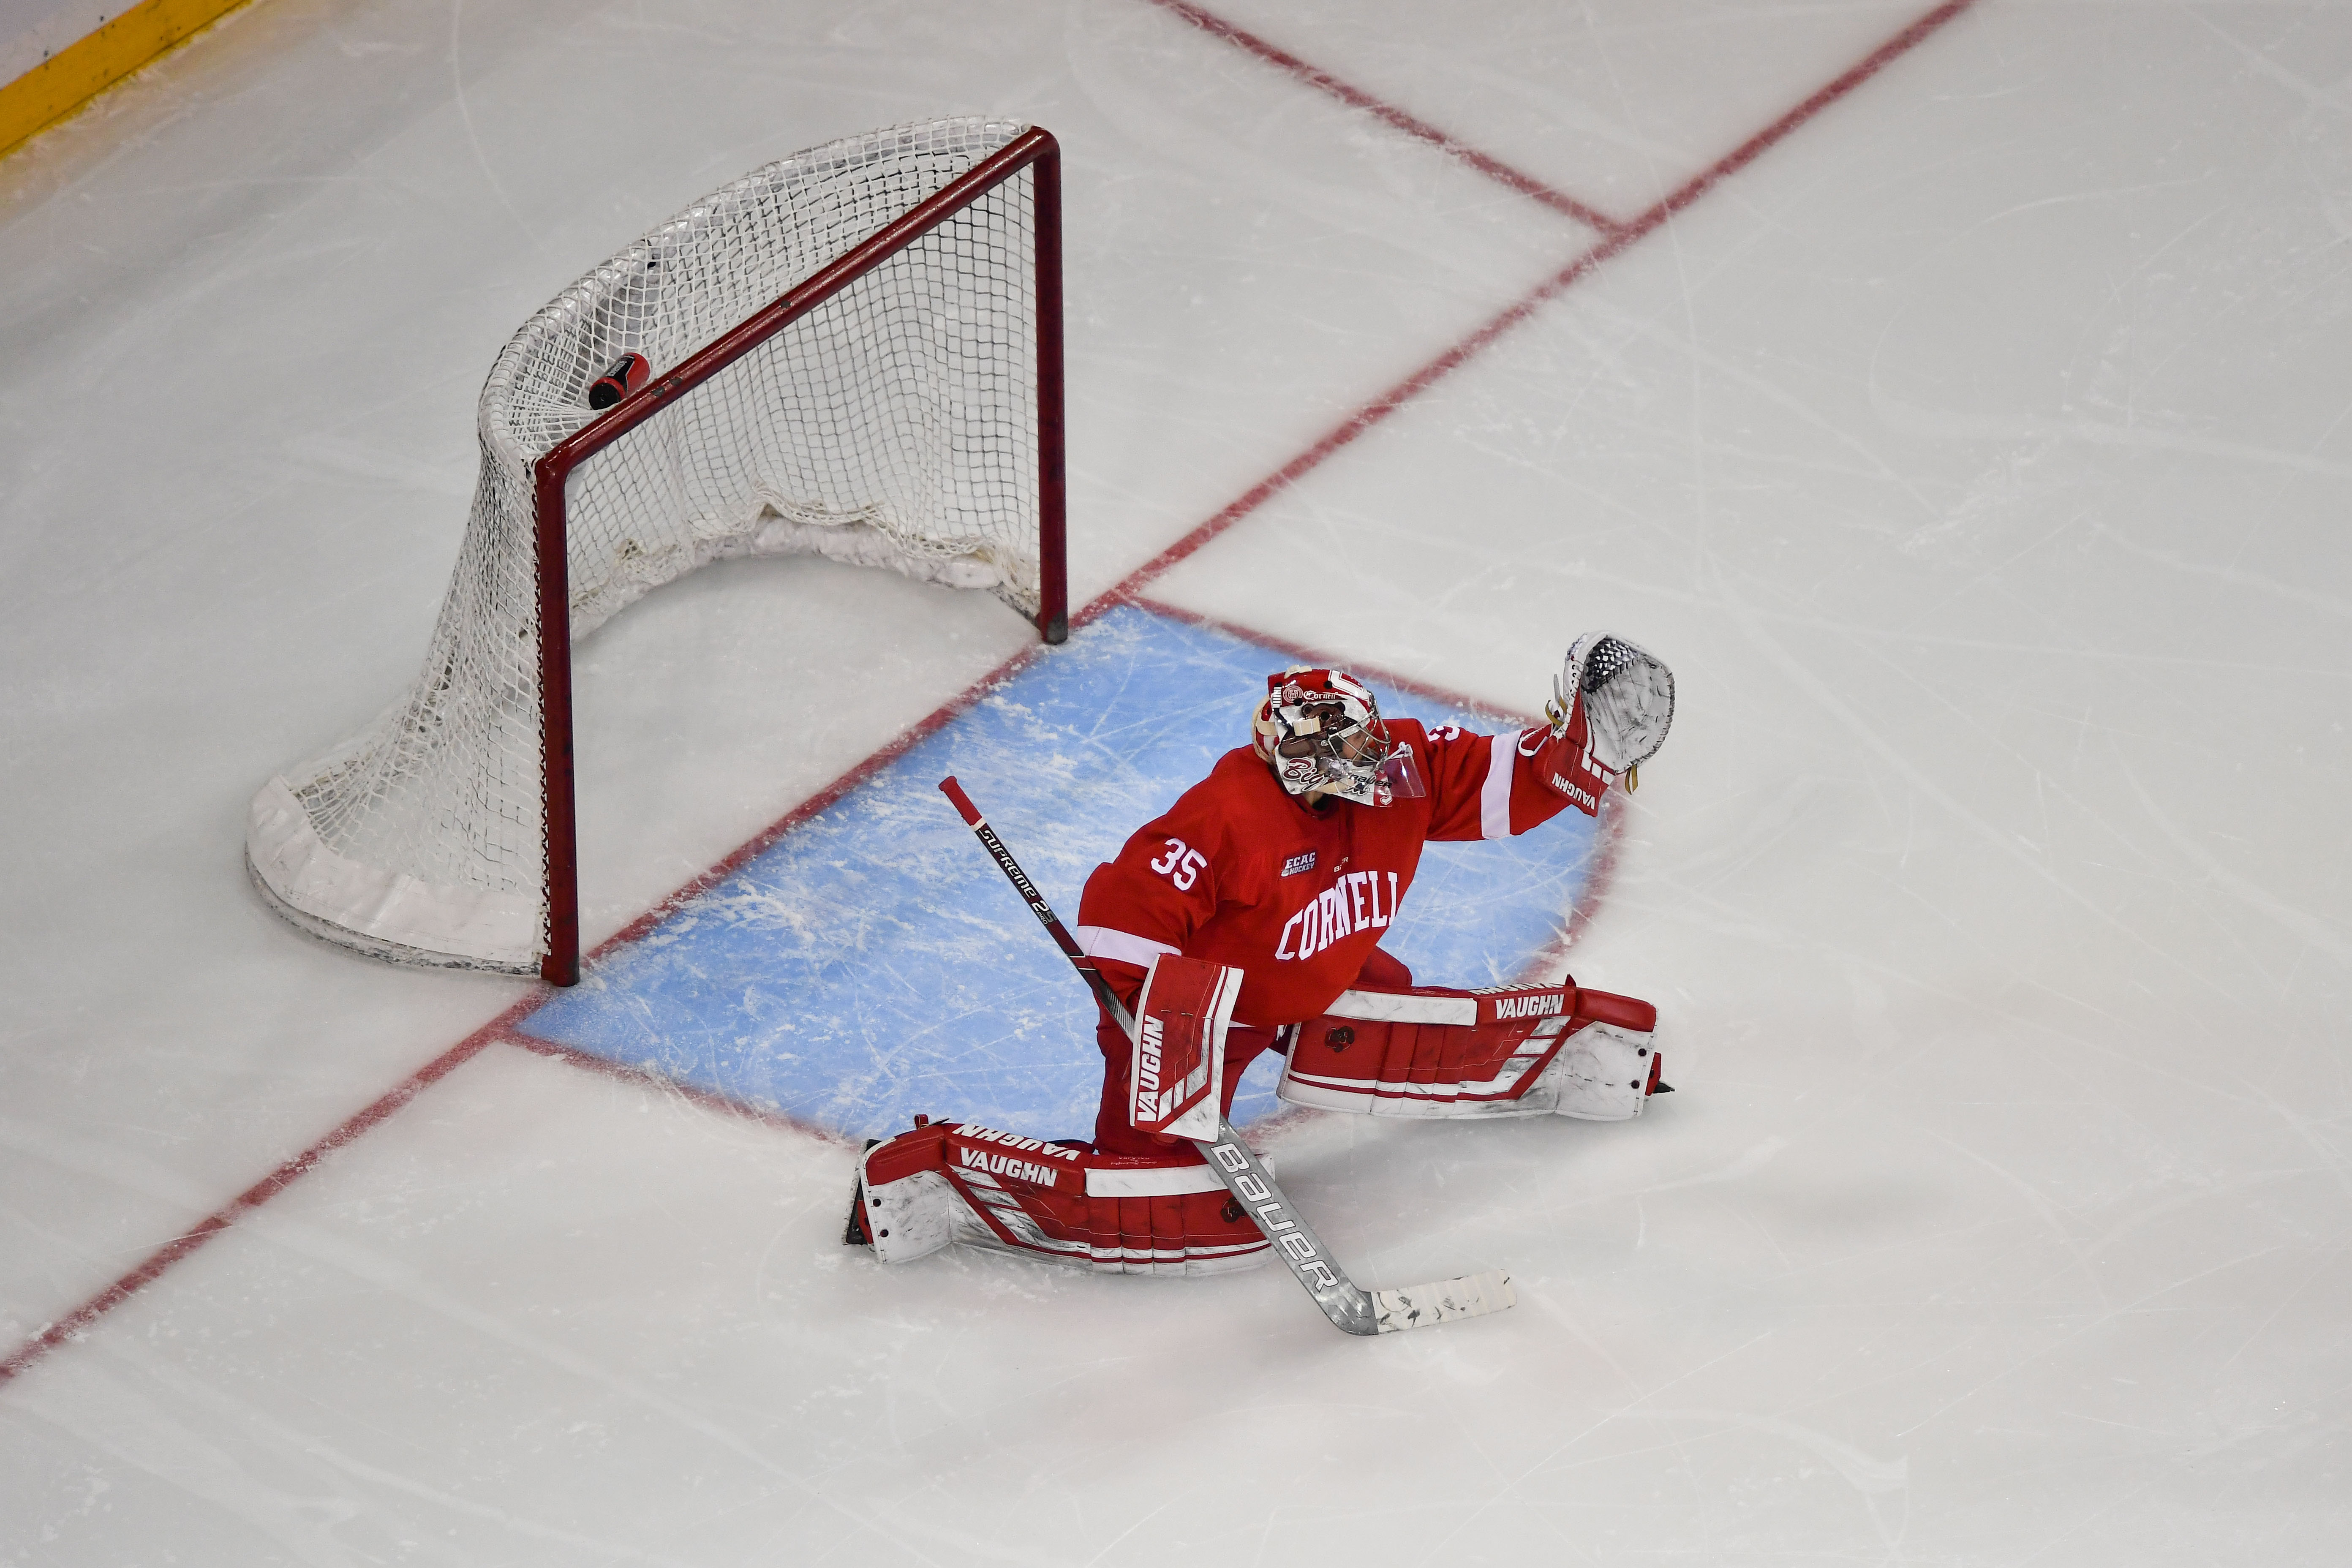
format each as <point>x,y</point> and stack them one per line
<point>1248,917</point>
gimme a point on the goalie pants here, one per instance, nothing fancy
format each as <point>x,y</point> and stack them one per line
<point>1244,1043</point>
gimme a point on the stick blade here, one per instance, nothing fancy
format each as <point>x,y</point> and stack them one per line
<point>1444,1301</point>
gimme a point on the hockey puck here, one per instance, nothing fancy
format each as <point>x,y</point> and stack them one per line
<point>627,375</point>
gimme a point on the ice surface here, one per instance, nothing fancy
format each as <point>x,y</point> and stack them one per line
<point>1978,458</point>
<point>874,964</point>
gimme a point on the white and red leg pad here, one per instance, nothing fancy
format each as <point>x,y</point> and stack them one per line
<point>1115,1213</point>
<point>1179,1045</point>
<point>1435,1051</point>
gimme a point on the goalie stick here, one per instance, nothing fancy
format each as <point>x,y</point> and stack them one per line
<point>1352,1308</point>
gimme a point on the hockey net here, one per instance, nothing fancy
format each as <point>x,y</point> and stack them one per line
<point>854,351</point>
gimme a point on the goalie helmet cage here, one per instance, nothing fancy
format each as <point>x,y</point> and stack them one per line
<point>856,352</point>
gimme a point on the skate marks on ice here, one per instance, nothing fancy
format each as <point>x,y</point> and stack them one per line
<point>869,965</point>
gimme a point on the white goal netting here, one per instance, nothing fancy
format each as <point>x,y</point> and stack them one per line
<point>896,425</point>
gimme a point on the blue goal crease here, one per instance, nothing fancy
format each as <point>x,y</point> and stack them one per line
<point>873,963</point>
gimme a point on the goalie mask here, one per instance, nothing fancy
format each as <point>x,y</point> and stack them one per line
<point>1320,730</point>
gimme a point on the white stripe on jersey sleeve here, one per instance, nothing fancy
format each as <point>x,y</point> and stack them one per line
<point>1102,942</point>
<point>1495,795</point>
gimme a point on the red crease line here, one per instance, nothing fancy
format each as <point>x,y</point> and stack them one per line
<point>709,1100</point>
<point>1322,658</point>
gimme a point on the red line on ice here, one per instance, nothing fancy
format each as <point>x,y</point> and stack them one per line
<point>1420,129</point>
<point>1129,589</point>
<point>1619,237</point>
<point>556,1051</point>
<point>502,1029</point>
<point>1316,656</point>
<point>75,1322</point>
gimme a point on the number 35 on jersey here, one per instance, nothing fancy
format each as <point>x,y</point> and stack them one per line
<point>1180,865</point>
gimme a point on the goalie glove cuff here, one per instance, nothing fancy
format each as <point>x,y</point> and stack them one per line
<point>1564,761</point>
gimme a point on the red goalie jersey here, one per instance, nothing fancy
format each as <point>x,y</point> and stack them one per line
<point>1297,895</point>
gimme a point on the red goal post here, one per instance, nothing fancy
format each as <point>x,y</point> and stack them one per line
<point>894,398</point>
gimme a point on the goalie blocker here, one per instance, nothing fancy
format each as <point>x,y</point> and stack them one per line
<point>1179,1060</point>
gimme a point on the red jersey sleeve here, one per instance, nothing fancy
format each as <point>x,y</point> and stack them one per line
<point>1490,786</point>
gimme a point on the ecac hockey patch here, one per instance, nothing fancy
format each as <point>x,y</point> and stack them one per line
<point>1298,863</point>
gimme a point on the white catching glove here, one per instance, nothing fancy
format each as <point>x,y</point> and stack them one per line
<point>1627,695</point>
